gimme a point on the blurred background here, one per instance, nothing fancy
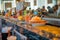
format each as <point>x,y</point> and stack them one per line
<point>33,4</point>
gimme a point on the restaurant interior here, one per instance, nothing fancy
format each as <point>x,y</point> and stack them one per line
<point>29,19</point>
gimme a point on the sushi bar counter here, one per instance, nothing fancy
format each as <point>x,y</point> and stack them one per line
<point>43,32</point>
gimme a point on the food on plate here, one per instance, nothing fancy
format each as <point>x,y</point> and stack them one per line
<point>20,17</point>
<point>37,19</point>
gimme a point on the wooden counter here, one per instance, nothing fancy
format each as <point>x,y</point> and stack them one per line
<point>48,28</point>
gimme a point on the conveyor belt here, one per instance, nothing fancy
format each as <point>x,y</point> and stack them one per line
<point>16,22</point>
<point>32,35</point>
<point>53,21</point>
